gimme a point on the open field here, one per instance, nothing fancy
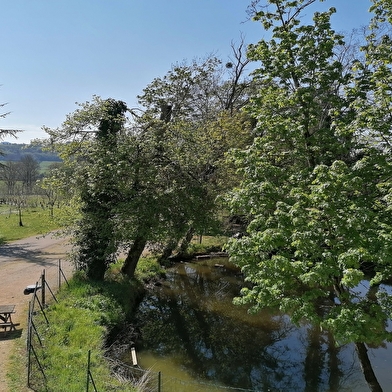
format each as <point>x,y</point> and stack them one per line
<point>36,221</point>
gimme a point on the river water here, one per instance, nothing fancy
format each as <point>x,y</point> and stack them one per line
<point>199,341</point>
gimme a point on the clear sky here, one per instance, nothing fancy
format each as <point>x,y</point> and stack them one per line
<point>55,53</point>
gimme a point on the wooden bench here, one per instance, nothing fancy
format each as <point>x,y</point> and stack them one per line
<point>11,325</point>
<point>5,318</point>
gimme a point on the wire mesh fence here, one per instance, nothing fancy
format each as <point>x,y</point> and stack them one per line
<point>38,324</point>
<point>36,377</point>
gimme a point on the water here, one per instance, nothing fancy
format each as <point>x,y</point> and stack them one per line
<point>200,341</point>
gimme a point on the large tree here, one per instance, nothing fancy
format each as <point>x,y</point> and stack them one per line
<point>315,185</point>
<point>87,142</point>
<point>9,173</point>
<point>202,121</point>
<point>156,181</point>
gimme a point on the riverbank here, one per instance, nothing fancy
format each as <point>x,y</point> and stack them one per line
<point>81,321</point>
<point>87,315</point>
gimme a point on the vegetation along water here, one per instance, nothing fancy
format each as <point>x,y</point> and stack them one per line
<point>197,338</point>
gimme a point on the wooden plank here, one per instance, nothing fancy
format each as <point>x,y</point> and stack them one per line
<point>7,308</point>
<point>5,325</point>
<point>134,358</point>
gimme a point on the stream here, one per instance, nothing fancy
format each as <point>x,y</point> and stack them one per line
<point>199,341</point>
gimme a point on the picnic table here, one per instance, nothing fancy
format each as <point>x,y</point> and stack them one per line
<point>5,317</point>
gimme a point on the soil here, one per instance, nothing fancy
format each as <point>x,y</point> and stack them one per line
<point>21,264</point>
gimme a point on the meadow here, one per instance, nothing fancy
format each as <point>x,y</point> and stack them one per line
<point>36,221</point>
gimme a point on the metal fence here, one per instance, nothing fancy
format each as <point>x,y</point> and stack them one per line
<point>37,325</point>
<point>36,378</point>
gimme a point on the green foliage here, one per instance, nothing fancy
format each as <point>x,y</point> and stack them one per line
<point>148,269</point>
<point>316,179</point>
<point>154,177</point>
<point>206,245</point>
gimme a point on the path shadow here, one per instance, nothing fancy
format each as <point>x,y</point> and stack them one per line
<point>11,335</point>
<point>21,251</point>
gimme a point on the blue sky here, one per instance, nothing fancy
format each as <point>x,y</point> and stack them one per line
<point>55,53</point>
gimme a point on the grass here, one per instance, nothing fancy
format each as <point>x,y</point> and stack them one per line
<point>206,244</point>
<point>82,319</point>
<point>148,268</point>
<point>36,221</point>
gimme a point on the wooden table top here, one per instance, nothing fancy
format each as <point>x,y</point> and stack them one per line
<point>7,309</point>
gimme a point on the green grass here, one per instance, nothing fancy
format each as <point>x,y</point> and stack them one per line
<point>44,165</point>
<point>148,268</point>
<point>82,319</point>
<point>207,244</point>
<point>35,221</point>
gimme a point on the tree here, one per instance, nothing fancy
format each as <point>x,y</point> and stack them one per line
<point>95,237</point>
<point>19,200</point>
<point>313,186</point>
<point>88,142</point>
<point>51,186</point>
<point>7,132</point>
<point>9,173</point>
<point>204,98</point>
<point>153,180</point>
<point>28,172</point>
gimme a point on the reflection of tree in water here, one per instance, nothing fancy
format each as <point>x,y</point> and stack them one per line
<point>194,321</point>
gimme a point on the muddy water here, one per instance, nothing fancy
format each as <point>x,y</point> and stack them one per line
<point>200,341</point>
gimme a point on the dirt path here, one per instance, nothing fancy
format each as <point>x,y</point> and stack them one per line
<point>21,264</point>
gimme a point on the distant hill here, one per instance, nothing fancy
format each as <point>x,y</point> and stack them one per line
<point>15,151</point>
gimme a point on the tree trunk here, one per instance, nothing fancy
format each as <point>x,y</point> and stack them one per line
<point>20,218</point>
<point>96,268</point>
<point>367,369</point>
<point>133,256</point>
<point>167,251</point>
<point>333,362</point>
<point>186,241</point>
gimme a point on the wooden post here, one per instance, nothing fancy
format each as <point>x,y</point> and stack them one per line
<point>29,327</point>
<point>134,357</point>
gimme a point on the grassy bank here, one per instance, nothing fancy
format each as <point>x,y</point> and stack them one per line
<point>85,314</point>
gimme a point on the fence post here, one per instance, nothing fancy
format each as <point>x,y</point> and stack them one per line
<point>29,344</point>
<point>59,274</point>
<point>159,381</point>
<point>88,370</point>
<point>43,287</point>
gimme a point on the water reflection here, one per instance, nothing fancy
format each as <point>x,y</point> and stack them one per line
<point>190,324</point>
